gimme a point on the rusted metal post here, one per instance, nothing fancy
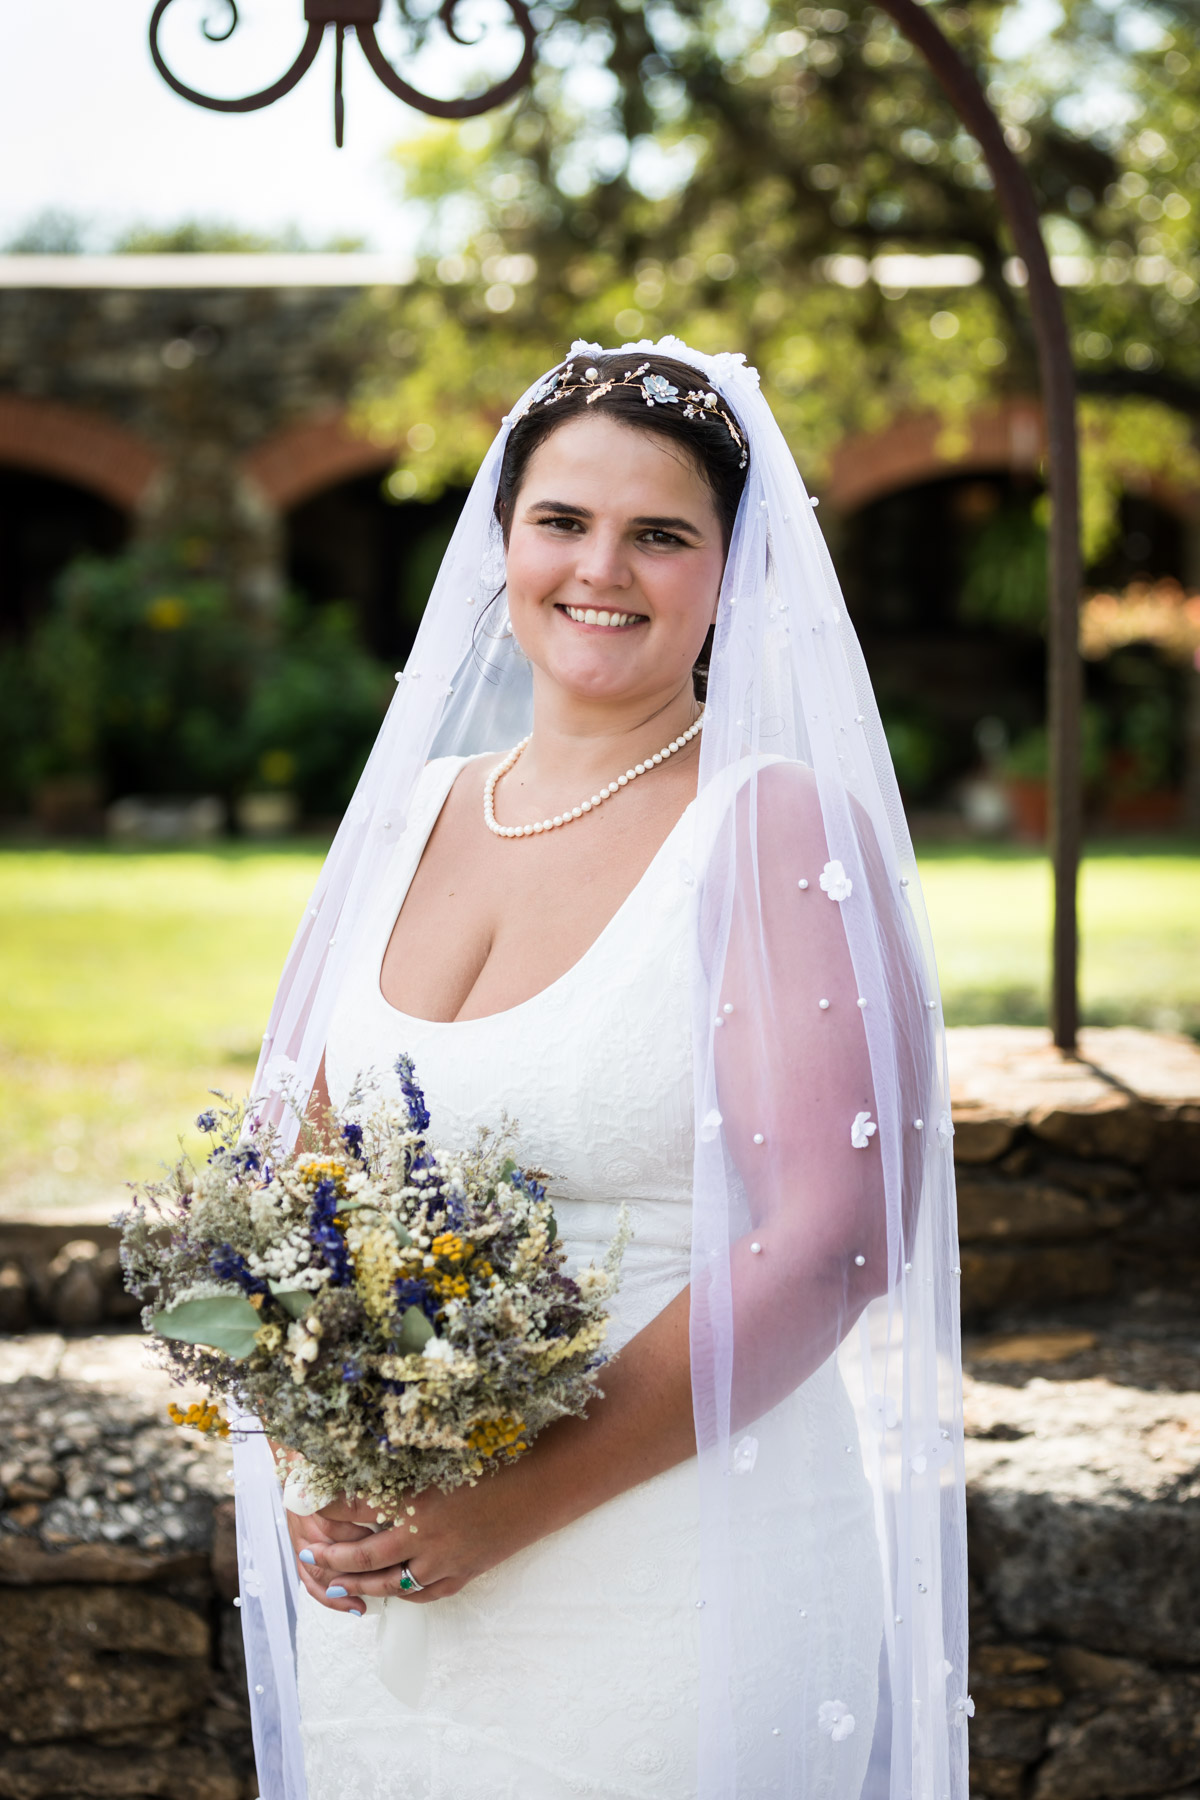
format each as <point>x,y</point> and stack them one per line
<point>1064,677</point>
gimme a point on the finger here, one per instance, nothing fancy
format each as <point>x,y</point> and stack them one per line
<point>385,1584</point>
<point>381,1550</point>
<point>316,1587</point>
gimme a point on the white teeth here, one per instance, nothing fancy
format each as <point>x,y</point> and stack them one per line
<point>591,616</point>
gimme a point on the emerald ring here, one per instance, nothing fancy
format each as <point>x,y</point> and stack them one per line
<point>408,1581</point>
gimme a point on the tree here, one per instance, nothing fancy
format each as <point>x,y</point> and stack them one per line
<point>757,178</point>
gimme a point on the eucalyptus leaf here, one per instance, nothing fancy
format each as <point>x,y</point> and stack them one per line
<point>551,1227</point>
<point>403,1237</point>
<point>221,1321</point>
<point>415,1330</point>
<point>294,1301</point>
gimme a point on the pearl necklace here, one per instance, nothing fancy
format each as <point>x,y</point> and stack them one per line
<point>585,806</point>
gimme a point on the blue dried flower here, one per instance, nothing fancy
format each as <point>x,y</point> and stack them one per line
<point>414,1293</point>
<point>352,1137</point>
<point>228,1264</point>
<point>351,1369</point>
<point>414,1099</point>
<point>525,1184</point>
<point>325,1236</point>
<point>207,1121</point>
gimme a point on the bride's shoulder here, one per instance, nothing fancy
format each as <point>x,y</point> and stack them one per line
<point>770,784</point>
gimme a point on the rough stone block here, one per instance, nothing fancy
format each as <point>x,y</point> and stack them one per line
<point>1084,1516</point>
<point>981,1135</point>
<point>996,1210</point>
<point>1115,1126</point>
<point>91,1772</point>
<point>1026,1277</point>
<point>1148,1743</point>
<point>82,1660</point>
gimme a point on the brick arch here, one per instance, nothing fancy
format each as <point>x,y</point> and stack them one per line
<point>920,448</point>
<point>74,444</point>
<point>300,460</point>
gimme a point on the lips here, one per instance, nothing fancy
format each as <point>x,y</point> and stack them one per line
<point>609,621</point>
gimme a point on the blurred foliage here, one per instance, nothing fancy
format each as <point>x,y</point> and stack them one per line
<point>316,708</point>
<point>707,169</point>
<point>1004,577</point>
<point>1028,758</point>
<point>145,674</point>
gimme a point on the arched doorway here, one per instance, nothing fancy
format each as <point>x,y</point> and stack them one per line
<point>45,523</point>
<point>945,578</point>
<point>352,542</point>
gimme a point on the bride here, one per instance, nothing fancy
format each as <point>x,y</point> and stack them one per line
<point>651,896</point>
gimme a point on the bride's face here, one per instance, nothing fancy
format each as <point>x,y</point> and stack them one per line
<point>614,561</point>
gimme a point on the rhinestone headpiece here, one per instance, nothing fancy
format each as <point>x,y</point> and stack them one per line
<point>699,403</point>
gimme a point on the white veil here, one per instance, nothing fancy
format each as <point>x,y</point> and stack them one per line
<point>824,1244</point>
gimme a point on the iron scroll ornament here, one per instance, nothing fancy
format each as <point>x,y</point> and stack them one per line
<point>361,16</point>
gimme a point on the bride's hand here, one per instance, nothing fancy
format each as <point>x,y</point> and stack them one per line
<point>457,1536</point>
<point>312,1534</point>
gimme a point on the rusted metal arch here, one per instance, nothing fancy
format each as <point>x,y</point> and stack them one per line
<point>1064,679</point>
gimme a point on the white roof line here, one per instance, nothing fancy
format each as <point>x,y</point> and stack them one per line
<point>208,269</point>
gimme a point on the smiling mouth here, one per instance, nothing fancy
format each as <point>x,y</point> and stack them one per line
<point>608,621</point>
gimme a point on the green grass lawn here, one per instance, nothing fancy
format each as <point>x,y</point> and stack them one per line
<point>132,983</point>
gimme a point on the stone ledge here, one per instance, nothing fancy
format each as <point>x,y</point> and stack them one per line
<point>1083,1507</point>
<point>1128,1095</point>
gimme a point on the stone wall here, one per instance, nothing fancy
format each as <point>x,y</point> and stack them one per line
<point>1077,1179</point>
<point>120,1646</point>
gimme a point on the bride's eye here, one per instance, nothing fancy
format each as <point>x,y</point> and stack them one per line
<point>563,523</point>
<point>657,536</point>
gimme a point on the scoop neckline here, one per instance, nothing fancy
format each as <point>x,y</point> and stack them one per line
<point>559,981</point>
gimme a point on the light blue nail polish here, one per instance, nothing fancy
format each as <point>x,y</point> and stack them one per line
<point>306,1556</point>
<point>353,1614</point>
<point>336,1593</point>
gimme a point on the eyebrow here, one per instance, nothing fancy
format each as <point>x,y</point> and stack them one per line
<point>582,512</point>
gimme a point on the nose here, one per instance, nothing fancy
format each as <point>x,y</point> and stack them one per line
<point>603,562</point>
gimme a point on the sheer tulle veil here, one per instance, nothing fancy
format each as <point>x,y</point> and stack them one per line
<point>824,1239</point>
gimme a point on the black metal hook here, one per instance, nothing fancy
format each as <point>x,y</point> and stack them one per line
<point>359,16</point>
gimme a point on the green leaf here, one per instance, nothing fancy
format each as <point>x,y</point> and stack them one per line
<point>551,1227</point>
<point>221,1321</point>
<point>415,1330</point>
<point>294,1301</point>
<point>402,1236</point>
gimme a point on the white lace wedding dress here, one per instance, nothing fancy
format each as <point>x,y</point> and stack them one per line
<point>572,1668</point>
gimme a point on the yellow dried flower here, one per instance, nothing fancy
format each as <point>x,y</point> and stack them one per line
<point>269,1338</point>
<point>452,1248</point>
<point>201,1415</point>
<point>448,1287</point>
<point>315,1169</point>
<point>499,1437</point>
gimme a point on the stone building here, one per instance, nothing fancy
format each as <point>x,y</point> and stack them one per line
<point>157,395</point>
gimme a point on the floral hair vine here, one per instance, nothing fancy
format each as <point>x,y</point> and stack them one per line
<point>656,390</point>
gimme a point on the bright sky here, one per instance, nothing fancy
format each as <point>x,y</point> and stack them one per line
<point>88,126</point>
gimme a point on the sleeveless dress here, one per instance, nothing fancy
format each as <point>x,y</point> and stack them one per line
<point>572,1668</point>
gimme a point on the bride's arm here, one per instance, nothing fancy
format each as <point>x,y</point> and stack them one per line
<point>642,1427</point>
